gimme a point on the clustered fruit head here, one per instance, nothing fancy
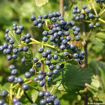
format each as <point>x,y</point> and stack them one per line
<point>57,32</point>
<point>87,15</point>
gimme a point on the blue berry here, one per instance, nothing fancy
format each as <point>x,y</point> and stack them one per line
<point>36,79</point>
<point>55,71</point>
<point>15,50</point>
<point>47,93</point>
<point>90,15</point>
<point>11,67</point>
<point>14,100</point>
<point>38,64</point>
<point>48,51</point>
<point>39,25</point>
<point>75,7</point>
<point>11,41</point>
<point>49,73</point>
<point>40,72</point>
<point>20,80</point>
<point>65,53</point>
<point>43,102</point>
<point>17,103</point>
<point>5,104</point>
<point>49,79</point>
<point>68,38</point>
<point>44,33</point>
<point>32,18</point>
<point>11,78</point>
<point>9,57</point>
<point>7,30</point>
<point>84,7</point>
<point>35,22</point>
<point>25,48</point>
<point>32,71</point>
<point>97,24</point>
<point>28,35</point>
<point>1,48</point>
<point>77,38</point>
<point>23,38</point>
<point>62,47</point>
<point>47,62</point>
<point>91,25</point>
<point>40,77</point>
<point>2,101</point>
<point>14,72</point>
<point>25,87</point>
<point>45,16</point>
<point>44,54</point>
<point>27,74</point>
<point>21,27</point>
<point>55,56</point>
<point>4,93</point>
<point>51,67</point>
<point>5,45</point>
<point>35,59</point>
<point>97,16</point>
<point>40,50</point>
<point>27,41</point>
<point>20,48</point>
<point>45,39</point>
<point>41,94</point>
<point>75,55</point>
<point>56,102</point>
<point>18,31</point>
<point>57,67</point>
<point>41,83</point>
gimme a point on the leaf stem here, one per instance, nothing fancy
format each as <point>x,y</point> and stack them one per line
<point>85,44</point>
<point>42,68</point>
<point>10,100</point>
<point>101,20</point>
<point>28,97</point>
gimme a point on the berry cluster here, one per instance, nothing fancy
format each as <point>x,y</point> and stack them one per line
<point>86,15</point>
<point>56,46</point>
<point>49,98</point>
<point>100,1</point>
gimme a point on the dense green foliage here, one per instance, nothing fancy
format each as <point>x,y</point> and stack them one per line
<point>73,80</point>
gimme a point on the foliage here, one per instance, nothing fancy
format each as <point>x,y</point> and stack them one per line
<point>73,79</point>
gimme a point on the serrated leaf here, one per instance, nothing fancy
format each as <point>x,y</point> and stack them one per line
<point>34,95</point>
<point>74,78</point>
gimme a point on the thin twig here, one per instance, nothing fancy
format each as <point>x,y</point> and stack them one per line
<point>34,45</point>
<point>27,97</point>
<point>85,44</point>
<point>86,98</point>
<point>53,87</point>
<point>61,7</point>
<point>42,68</point>
<point>100,58</point>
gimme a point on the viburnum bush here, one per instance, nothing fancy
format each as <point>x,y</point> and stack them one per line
<point>36,70</point>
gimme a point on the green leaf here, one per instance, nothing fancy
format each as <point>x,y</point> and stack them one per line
<point>15,37</point>
<point>102,75</point>
<point>34,95</point>
<point>101,96</point>
<point>73,78</point>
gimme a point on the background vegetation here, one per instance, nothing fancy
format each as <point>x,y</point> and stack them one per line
<point>79,85</point>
